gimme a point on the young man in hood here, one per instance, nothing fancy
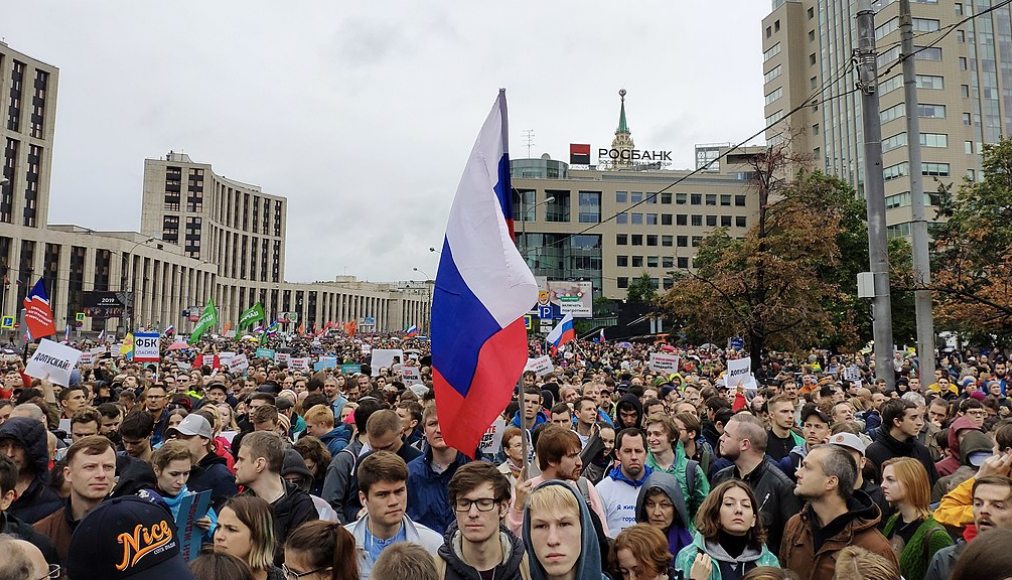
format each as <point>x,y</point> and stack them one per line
<point>209,469</point>
<point>836,516</point>
<point>320,423</point>
<point>24,441</point>
<point>12,526</point>
<point>620,487</point>
<point>559,534</point>
<point>258,467</point>
<point>628,412</point>
<point>476,545</point>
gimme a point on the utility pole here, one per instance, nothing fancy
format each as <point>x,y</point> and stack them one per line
<point>874,190</point>
<point>918,225</point>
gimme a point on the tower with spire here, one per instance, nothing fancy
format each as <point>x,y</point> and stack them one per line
<point>623,142</point>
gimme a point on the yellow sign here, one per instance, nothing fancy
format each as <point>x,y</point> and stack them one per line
<point>79,317</point>
<point>7,323</point>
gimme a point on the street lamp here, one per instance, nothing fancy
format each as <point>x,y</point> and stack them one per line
<point>523,222</point>
<point>130,282</point>
<point>428,288</point>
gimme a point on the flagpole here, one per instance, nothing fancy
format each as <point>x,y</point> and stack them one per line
<point>524,435</point>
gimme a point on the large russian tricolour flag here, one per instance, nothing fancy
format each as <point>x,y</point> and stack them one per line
<point>483,288</point>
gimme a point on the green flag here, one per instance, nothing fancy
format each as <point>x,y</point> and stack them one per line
<point>250,316</point>
<point>207,320</point>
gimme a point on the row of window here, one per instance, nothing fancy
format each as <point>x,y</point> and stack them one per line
<point>935,140</point>
<point>623,281</point>
<point>725,199</point>
<point>696,220</point>
<point>651,261</point>
<point>902,169</point>
<point>666,241</point>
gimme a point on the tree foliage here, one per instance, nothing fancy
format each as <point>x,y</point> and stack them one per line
<point>972,261</point>
<point>641,290</point>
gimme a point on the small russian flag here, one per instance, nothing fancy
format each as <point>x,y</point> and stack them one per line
<point>412,330</point>
<point>563,333</point>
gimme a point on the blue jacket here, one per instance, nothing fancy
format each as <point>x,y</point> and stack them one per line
<point>428,498</point>
<point>337,439</point>
<point>538,420</point>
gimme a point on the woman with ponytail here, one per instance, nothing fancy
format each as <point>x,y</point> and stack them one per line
<point>321,550</point>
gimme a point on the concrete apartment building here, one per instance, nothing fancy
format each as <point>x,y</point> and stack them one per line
<point>963,90</point>
<point>202,236</point>
<point>609,223</point>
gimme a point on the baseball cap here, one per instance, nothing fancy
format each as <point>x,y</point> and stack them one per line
<point>848,440</point>
<point>127,537</point>
<point>192,425</point>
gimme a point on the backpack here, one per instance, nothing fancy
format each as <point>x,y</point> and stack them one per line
<point>691,466</point>
<point>603,541</point>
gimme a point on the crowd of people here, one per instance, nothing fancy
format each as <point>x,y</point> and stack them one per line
<point>187,469</point>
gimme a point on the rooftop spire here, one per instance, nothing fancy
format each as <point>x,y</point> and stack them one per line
<point>622,126</point>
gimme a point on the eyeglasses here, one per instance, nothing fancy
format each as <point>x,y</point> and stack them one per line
<point>293,575</point>
<point>54,572</point>
<point>484,504</point>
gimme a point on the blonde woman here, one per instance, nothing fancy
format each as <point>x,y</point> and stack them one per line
<point>913,533</point>
<point>246,531</point>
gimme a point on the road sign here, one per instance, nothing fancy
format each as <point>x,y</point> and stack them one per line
<point>545,312</point>
<point>528,322</point>
<point>7,323</point>
<point>146,347</point>
<point>79,317</point>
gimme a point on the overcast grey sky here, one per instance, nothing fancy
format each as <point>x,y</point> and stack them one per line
<point>363,113</point>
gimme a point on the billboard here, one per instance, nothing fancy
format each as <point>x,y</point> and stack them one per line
<point>570,297</point>
<point>105,304</point>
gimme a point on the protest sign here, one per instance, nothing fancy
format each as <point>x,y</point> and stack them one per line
<point>738,372</point>
<point>411,375</point>
<point>85,359</point>
<point>224,357</point>
<point>146,347</point>
<point>492,439</point>
<point>351,368</point>
<point>207,360</point>
<point>238,364</point>
<point>98,351</point>
<point>191,508</point>
<point>384,357</point>
<point>282,358</point>
<point>541,365</point>
<point>661,362</point>
<point>852,373</point>
<point>265,353</point>
<point>327,362</point>
<point>54,360</point>
<point>298,364</point>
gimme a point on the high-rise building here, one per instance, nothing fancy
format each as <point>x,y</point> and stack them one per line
<point>964,89</point>
<point>203,236</point>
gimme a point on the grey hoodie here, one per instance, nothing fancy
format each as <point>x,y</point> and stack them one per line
<point>589,563</point>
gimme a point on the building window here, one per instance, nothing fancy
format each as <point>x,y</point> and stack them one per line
<point>725,221</point>
<point>590,207</point>
<point>711,199</point>
<point>773,73</point>
<point>652,261</point>
<point>621,218</point>
<point>32,177</point>
<point>696,240</point>
<point>739,201</point>
<point>666,198</point>
<point>931,111</point>
<point>636,197</point>
<point>14,108</point>
<point>773,96</point>
<point>666,241</point>
<point>681,219</point>
<point>621,196</point>
<point>524,204</point>
<point>725,199</point>
<point>637,261</point>
<point>711,221</point>
<point>931,53</point>
<point>666,219</point>
<point>696,199</point>
<point>668,262</point>
<point>683,241</point>
<point>651,219</point>
<point>739,221</point>
<point>683,262</point>
<point>622,261</point>
<point>558,209</point>
<point>681,198</point>
<point>697,220</point>
<point>39,103</point>
<point>637,239</point>
<point>621,239</point>
<point>637,218</point>
<point>651,239</point>
<point>936,169</point>
<point>968,147</point>
<point>622,282</point>
<point>771,52</point>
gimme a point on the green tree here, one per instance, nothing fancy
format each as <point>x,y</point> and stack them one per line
<point>641,290</point>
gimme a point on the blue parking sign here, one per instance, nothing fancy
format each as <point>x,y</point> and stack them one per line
<point>545,312</point>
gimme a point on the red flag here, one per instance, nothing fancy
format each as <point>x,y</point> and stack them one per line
<point>38,314</point>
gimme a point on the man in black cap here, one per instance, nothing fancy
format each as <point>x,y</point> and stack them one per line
<point>127,537</point>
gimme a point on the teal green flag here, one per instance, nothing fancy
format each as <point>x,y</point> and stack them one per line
<point>207,321</point>
<point>250,316</point>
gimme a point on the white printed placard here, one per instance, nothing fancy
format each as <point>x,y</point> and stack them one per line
<point>411,375</point>
<point>661,362</point>
<point>541,366</point>
<point>146,347</point>
<point>282,358</point>
<point>298,364</point>
<point>492,439</point>
<point>54,360</point>
<point>384,357</point>
<point>238,364</point>
<point>738,372</point>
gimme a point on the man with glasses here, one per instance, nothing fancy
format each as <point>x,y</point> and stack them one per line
<point>155,402</point>
<point>476,545</point>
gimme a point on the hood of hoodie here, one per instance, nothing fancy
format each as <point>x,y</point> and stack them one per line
<point>31,436</point>
<point>861,510</point>
<point>339,432</point>
<point>630,400</point>
<point>973,442</point>
<point>960,424</point>
<point>717,552</point>
<point>668,485</point>
<point>452,553</point>
<point>617,474</point>
<point>588,565</point>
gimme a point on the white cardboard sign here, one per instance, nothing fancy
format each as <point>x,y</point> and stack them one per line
<point>661,362</point>
<point>738,372</point>
<point>411,375</point>
<point>541,365</point>
<point>384,357</point>
<point>54,360</point>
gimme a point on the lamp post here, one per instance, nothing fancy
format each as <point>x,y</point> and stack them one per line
<point>130,283</point>
<point>428,289</point>
<point>523,223</point>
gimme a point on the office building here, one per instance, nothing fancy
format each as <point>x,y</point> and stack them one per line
<point>202,236</point>
<point>611,222</point>
<point>962,90</point>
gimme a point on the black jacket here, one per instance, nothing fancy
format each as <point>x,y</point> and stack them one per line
<point>12,526</point>
<point>885,447</point>
<point>38,500</point>
<point>290,511</point>
<point>775,493</point>
<point>211,473</point>
<point>132,475</point>
<point>514,557</point>
<point>629,401</point>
